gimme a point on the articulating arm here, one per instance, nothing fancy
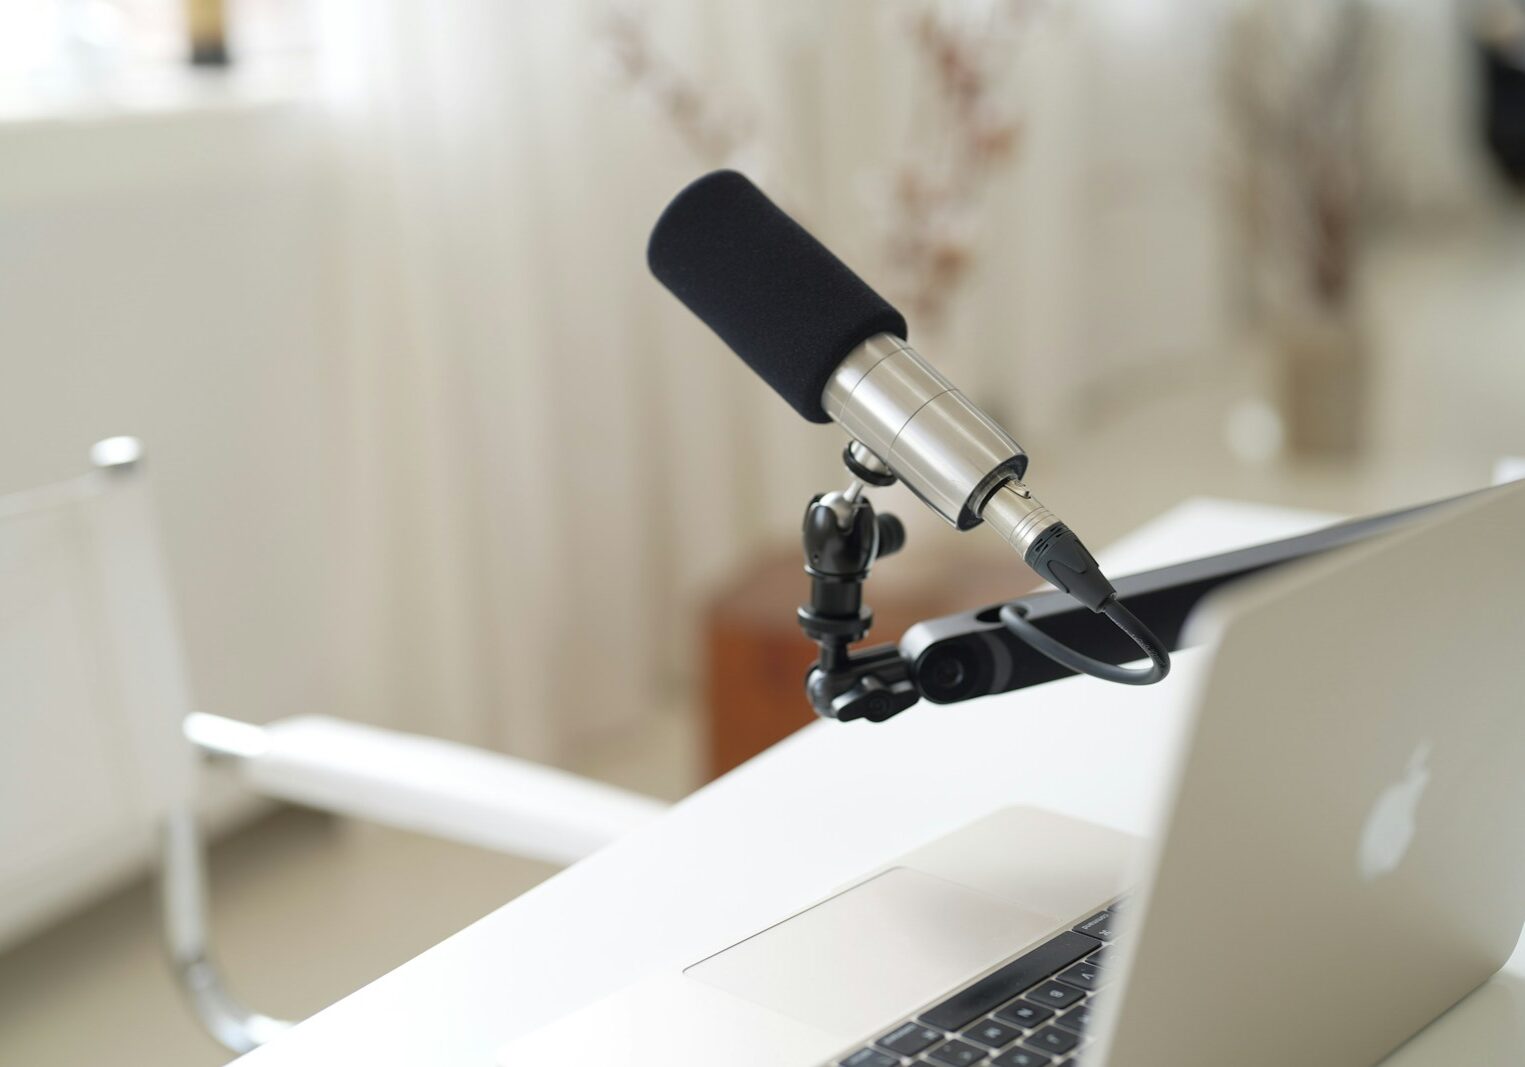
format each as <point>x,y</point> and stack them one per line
<point>973,654</point>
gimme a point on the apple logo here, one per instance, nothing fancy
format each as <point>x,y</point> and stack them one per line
<point>1389,829</point>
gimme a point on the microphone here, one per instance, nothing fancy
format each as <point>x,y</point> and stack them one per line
<point>837,351</point>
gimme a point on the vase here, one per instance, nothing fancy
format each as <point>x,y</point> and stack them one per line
<point>1323,386</point>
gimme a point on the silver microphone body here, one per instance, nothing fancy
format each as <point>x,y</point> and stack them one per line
<point>939,444</point>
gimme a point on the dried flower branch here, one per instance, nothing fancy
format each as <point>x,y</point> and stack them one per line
<point>714,134</point>
<point>1291,83</point>
<point>966,135</point>
<point>930,202</point>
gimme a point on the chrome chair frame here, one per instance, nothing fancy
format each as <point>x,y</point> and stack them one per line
<point>448,790</point>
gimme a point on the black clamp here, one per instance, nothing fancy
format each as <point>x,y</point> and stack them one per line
<point>843,537</point>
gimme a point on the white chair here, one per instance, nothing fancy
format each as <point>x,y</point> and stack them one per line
<point>88,635</point>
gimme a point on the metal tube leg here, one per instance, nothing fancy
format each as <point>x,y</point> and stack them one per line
<point>183,906</point>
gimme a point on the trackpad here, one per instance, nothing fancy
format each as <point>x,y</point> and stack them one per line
<point>878,950</point>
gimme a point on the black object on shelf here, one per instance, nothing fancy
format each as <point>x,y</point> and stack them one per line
<point>207,28</point>
<point>1503,106</point>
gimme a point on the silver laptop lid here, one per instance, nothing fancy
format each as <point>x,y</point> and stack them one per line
<point>1344,858</point>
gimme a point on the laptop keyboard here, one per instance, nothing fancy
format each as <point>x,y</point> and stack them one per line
<point>1031,1012</point>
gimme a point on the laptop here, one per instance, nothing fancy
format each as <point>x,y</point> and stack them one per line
<point>1339,862</point>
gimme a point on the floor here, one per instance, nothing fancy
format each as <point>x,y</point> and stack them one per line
<point>96,989</point>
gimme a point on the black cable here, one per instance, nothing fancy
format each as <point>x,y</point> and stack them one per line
<point>1020,625</point>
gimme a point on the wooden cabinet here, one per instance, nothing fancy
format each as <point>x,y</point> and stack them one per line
<point>756,657</point>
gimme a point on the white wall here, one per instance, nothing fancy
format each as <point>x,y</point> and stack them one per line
<point>164,275</point>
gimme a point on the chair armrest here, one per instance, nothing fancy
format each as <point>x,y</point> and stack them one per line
<point>435,787</point>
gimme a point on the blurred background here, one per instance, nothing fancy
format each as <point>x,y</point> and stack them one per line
<point>431,450</point>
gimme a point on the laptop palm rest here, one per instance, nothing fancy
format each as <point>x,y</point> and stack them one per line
<point>875,951</point>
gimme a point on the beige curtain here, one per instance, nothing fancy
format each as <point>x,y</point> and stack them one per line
<point>553,463</point>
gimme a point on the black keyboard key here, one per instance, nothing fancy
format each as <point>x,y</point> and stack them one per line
<point>957,1054</point>
<point>909,1039</point>
<point>996,988</point>
<point>871,1057</point>
<point>1077,1019</point>
<point>1020,1057</point>
<point>1084,975</point>
<point>1052,1040</point>
<point>1099,957</point>
<point>1054,994</point>
<point>1102,926</point>
<point>1024,1014</point>
<point>992,1033</point>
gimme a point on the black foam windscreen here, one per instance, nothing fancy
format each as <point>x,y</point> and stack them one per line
<point>776,295</point>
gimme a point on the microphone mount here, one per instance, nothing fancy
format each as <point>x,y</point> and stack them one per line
<point>843,538</point>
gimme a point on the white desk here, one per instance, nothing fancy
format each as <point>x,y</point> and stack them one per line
<point>807,816</point>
